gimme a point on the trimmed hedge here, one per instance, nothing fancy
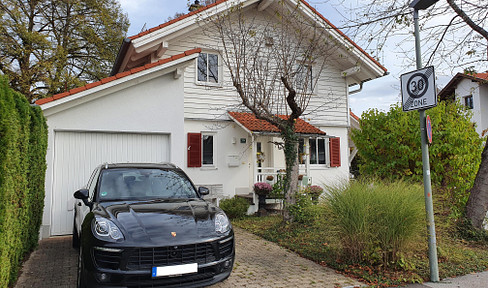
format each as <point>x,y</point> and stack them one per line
<point>23,144</point>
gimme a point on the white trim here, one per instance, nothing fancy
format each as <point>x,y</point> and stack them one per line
<point>114,86</point>
<point>220,78</point>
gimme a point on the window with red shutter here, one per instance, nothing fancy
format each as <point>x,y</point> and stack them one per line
<point>335,152</point>
<point>194,149</point>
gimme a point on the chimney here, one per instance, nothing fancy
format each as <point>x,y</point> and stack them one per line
<point>195,6</point>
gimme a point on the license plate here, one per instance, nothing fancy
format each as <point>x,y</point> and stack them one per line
<point>174,270</point>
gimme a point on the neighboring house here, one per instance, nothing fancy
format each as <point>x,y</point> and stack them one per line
<point>472,92</point>
<point>156,107</point>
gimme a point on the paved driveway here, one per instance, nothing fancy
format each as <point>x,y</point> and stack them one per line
<point>259,263</point>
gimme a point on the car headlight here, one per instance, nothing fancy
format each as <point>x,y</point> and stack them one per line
<point>106,230</point>
<point>222,223</point>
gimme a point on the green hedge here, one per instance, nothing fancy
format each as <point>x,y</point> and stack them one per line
<point>23,144</point>
<point>389,146</point>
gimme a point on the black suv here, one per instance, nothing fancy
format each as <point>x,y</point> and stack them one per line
<point>145,225</point>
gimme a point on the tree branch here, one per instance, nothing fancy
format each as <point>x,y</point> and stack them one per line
<point>467,19</point>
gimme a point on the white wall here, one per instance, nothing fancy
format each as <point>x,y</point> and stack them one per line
<point>333,175</point>
<point>141,105</point>
<point>328,106</point>
<point>467,87</point>
<point>231,178</point>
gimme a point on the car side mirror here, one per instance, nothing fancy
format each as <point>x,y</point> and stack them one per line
<point>82,194</point>
<point>203,191</point>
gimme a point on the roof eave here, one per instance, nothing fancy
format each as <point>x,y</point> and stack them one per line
<point>170,66</point>
<point>120,56</point>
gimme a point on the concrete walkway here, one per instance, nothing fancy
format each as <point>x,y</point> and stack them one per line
<point>259,263</point>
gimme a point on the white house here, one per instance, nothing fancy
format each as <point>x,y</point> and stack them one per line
<point>472,92</point>
<point>156,108</point>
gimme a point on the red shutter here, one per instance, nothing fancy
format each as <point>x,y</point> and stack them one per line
<point>335,152</point>
<point>194,150</point>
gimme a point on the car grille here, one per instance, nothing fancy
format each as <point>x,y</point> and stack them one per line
<point>201,253</point>
<point>146,258</point>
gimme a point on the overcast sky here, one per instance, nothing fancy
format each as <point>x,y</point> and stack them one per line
<point>379,93</point>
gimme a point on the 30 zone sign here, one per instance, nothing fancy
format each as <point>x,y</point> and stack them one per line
<point>418,89</point>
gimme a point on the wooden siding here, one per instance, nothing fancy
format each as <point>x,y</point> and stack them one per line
<point>327,106</point>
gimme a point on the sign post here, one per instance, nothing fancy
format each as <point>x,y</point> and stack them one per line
<point>417,89</point>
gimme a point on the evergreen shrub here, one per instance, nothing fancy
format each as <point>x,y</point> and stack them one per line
<point>23,144</point>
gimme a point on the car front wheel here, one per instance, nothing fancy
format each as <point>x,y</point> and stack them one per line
<point>76,238</point>
<point>80,283</point>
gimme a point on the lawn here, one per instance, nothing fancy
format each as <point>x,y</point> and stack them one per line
<point>320,242</point>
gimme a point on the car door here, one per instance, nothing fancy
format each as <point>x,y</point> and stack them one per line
<point>81,209</point>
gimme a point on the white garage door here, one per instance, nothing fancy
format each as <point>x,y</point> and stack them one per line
<point>76,154</point>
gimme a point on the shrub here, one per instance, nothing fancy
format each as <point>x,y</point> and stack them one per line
<point>455,153</point>
<point>23,143</point>
<point>303,211</point>
<point>278,187</point>
<point>375,220</point>
<point>314,191</point>
<point>235,207</point>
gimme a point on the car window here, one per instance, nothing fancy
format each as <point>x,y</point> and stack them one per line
<point>92,183</point>
<point>144,184</point>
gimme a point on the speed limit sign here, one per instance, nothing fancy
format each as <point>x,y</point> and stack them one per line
<point>418,89</point>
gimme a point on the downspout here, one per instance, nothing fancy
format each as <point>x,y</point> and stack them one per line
<point>357,90</point>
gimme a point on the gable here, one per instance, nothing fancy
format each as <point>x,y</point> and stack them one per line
<point>149,45</point>
<point>449,90</point>
<point>114,83</point>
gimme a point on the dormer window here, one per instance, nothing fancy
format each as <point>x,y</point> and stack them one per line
<point>208,68</point>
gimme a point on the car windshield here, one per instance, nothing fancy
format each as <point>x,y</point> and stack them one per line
<point>144,184</point>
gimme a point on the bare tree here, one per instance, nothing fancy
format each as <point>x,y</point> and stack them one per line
<point>453,32</point>
<point>454,36</point>
<point>275,64</point>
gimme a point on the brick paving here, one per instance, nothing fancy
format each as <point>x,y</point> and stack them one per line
<point>258,263</point>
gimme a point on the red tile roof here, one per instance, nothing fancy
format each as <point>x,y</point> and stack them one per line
<point>354,115</point>
<point>483,76</point>
<point>117,76</point>
<point>222,1</point>
<point>253,124</point>
<point>448,90</point>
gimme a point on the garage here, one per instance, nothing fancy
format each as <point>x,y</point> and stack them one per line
<point>77,153</point>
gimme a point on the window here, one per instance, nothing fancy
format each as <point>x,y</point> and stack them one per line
<point>468,102</point>
<point>318,153</point>
<point>207,150</point>
<point>208,68</point>
<point>303,78</point>
<point>200,148</point>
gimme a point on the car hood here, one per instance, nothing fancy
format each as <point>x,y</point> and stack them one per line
<point>163,222</point>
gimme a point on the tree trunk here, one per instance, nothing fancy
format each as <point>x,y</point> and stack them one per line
<point>291,182</point>
<point>477,205</point>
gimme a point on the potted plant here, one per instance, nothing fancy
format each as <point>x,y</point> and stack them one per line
<point>314,191</point>
<point>262,189</point>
